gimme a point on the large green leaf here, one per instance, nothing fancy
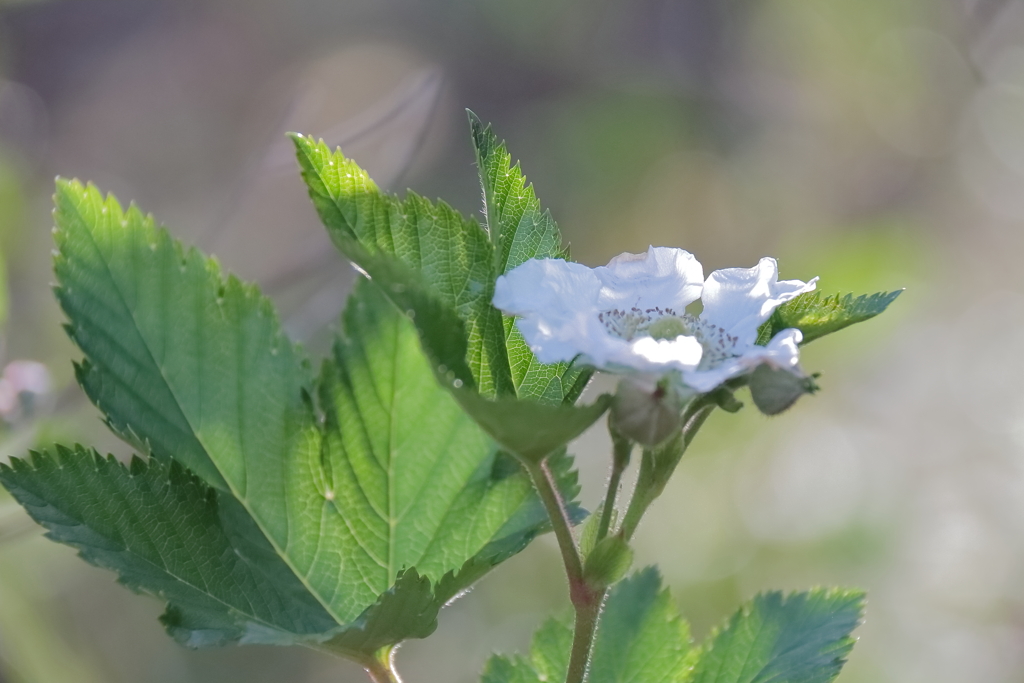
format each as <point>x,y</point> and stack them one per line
<point>776,638</point>
<point>407,473</point>
<point>451,254</point>
<point>521,231</point>
<point>641,637</point>
<point>396,476</point>
<point>816,314</point>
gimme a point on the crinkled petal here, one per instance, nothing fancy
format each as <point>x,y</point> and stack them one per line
<point>663,277</point>
<point>557,340</point>
<point>740,299</point>
<point>555,300</point>
<point>782,352</point>
<point>559,304</point>
<point>552,289</point>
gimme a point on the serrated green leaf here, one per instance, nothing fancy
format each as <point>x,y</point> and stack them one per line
<point>776,638</point>
<point>521,231</point>
<point>166,532</point>
<point>641,637</point>
<point>816,314</point>
<point>442,332</point>
<point>450,253</point>
<point>197,369</point>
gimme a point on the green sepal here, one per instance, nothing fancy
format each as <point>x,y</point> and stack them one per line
<point>774,390</point>
<point>799,637</point>
<point>816,314</point>
<point>726,400</point>
<point>645,416</point>
<point>529,429</point>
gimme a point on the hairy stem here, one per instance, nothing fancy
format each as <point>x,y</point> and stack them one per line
<point>583,637</point>
<point>544,482</point>
<point>586,601</point>
<point>620,460</point>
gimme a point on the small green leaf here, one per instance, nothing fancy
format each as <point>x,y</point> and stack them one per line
<point>798,638</point>
<point>641,637</point>
<point>608,562</point>
<point>816,314</point>
<point>530,429</point>
<point>775,390</point>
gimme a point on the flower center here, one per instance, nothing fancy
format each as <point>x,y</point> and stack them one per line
<point>660,323</point>
<point>665,323</point>
<point>668,327</point>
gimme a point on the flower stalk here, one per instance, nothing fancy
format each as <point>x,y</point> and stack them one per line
<point>657,465</point>
<point>380,667</point>
<point>622,449</point>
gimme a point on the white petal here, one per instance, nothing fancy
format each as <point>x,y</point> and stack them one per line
<point>662,277</point>
<point>782,352</point>
<point>558,304</point>
<point>550,288</point>
<point>740,299</point>
<point>661,355</point>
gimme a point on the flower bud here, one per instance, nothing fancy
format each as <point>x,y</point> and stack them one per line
<point>646,412</point>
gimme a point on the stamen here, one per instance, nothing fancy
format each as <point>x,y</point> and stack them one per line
<point>665,323</point>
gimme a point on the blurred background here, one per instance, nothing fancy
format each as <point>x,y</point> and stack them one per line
<point>876,143</point>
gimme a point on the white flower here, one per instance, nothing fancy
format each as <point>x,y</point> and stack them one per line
<point>630,316</point>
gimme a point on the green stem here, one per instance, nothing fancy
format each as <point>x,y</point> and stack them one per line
<point>586,601</point>
<point>544,482</point>
<point>583,638</point>
<point>620,460</point>
<point>654,474</point>
<point>380,667</point>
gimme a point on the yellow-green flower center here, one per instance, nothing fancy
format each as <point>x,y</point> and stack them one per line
<point>668,327</point>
